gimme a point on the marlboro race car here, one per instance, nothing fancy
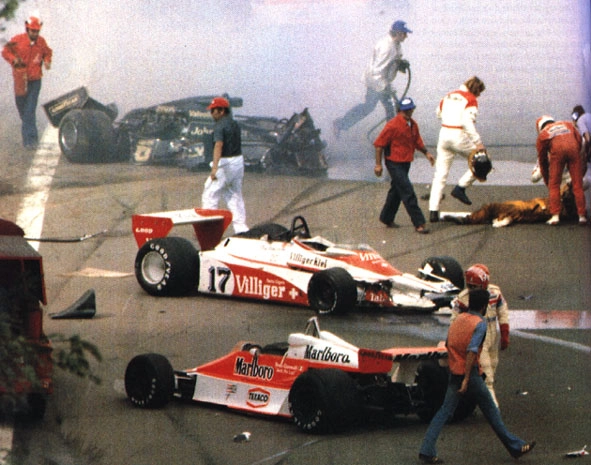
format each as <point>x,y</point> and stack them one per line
<point>181,132</point>
<point>270,262</point>
<point>320,380</point>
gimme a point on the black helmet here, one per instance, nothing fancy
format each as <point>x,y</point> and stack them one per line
<point>479,164</point>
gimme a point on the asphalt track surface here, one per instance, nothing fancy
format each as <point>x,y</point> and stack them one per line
<point>543,383</point>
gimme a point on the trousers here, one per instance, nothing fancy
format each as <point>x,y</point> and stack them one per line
<point>401,190</point>
<point>27,108</point>
<point>451,142</point>
<point>227,187</point>
<point>479,392</point>
<point>358,112</point>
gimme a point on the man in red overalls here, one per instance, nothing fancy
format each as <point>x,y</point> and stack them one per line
<point>559,145</point>
<point>26,53</point>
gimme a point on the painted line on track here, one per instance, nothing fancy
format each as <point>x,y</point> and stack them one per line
<point>39,178</point>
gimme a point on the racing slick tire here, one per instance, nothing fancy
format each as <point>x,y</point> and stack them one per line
<point>87,136</point>
<point>149,381</point>
<point>168,266</point>
<point>332,291</point>
<point>446,267</point>
<point>432,381</point>
<point>324,401</point>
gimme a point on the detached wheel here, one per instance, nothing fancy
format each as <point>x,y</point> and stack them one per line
<point>432,381</point>
<point>168,266</point>
<point>87,136</point>
<point>325,400</point>
<point>149,381</point>
<point>446,267</point>
<point>332,291</point>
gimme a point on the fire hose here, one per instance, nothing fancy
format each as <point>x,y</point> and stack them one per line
<point>65,239</point>
<point>395,101</point>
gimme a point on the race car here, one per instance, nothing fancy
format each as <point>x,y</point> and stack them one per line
<point>324,383</point>
<point>272,263</point>
<point>181,132</point>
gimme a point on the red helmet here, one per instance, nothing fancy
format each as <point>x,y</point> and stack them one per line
<point>219,102</point>
<point>33,23</point>
<point>478,276</point>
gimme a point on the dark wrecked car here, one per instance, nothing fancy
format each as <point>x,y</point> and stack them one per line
<point>180,132</point>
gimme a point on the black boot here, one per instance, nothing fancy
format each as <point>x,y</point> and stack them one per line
<point>433,216</point>
<point>460,194</point>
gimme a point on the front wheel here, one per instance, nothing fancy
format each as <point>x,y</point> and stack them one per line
<point>168,266</point>
<point>149,381</point>
<point>325,400</point>
<point>332,291</point>
<point>444,267</point>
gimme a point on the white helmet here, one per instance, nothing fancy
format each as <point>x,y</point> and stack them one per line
<point>542,121</point>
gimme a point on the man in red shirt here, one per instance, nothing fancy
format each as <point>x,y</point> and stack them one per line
<point>559,145</point>
<point>398,141</point>
<point>26,53</point>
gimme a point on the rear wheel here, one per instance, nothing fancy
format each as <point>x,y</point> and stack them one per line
<point>87,136</point>
<point>323,401</point>
<point>167,266</point>
<point>432,380</point>
<point>149,381</point>
<point>332,291</point>
<point>445,267</point>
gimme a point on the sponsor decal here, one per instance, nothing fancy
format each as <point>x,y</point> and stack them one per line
<point>230,390</point>
<point>258,398</point>
<point>377,297</point>
<point>64,104</point>
<point>144,230</point>
<point>200,131</point>
<point>253,285</point>
<point>326,355</point>
<point>374,354</point>
<point>369,256</point>
<point>312,261</point>
<point>253,369</point>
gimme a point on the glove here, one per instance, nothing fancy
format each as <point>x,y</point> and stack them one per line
<point>403,65</point>
<point>504,336</point>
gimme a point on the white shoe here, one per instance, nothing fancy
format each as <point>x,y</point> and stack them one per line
<point>554,220</point>
<point>582,220</point>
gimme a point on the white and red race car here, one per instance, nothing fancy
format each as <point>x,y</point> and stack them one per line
<point>320,380</point>
<point>273,263</point>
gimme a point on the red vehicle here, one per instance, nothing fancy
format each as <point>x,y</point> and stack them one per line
<point>22,291</point>
<point>321,381</point>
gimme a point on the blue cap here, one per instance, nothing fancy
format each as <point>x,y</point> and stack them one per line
<point>406,104</point>
<point>399,26</point>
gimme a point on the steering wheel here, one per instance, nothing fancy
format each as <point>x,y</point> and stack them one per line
<point>299,227</point>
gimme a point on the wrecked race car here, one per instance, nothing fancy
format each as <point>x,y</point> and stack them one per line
<point>181,132</point>
<point>320,381</point>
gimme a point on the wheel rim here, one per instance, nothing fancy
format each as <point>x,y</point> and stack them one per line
<point>69,135</point>
<point>153,268</point>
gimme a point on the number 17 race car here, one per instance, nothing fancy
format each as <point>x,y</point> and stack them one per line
<point>321,381</point>
<point>270,262</point>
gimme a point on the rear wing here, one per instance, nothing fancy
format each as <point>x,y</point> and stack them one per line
<point>209,225</point>
<point>77,99</point>
<point>400,354</point>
